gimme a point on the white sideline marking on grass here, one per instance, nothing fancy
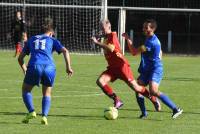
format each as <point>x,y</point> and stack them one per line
<point>3,89</point>
<point>86,95</point>
<point>58,83</point>
<point>70,91</point>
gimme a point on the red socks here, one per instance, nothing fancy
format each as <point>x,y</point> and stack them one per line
<point>146,93</point>
<point>107,90</point>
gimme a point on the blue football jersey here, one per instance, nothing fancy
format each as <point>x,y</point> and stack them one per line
<point>151,58</point>
<point>41,48</point>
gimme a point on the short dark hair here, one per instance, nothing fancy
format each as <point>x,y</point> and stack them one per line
<point>153,23</point>
<point>47,25</point>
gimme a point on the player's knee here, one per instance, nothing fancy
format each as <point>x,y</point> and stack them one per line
<point>100,82</point>
<point>154,93</point>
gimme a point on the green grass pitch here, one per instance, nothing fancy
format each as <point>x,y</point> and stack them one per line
<point>78,104</point>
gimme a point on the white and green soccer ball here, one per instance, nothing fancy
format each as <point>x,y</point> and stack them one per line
<point>111,113</point>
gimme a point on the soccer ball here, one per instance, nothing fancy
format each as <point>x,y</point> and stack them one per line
<point>111,113</point>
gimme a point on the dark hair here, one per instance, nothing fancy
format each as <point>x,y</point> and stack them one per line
<point>47,25</point>
<point>153,23</point>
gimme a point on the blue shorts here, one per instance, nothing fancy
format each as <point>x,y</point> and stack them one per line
<point>44,74</point>
<point>155,76</point>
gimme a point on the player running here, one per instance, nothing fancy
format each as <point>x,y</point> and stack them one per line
<point>41,68</point>
<point>118,66</point>
<point>151,67</point>
<point>20,34</point>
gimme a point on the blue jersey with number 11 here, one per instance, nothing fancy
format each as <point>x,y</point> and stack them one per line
<point>41,48</point>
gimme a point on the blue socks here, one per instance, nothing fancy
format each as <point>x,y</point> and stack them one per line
<point>28,101</point>
<point>167,101</point>
<point>164,98</point>
<point>46,102</point>
<point>140,101</point>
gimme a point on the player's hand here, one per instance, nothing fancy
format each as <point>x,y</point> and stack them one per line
<point>69,72</point>
<point>24,72</point>
<point>94,40</point>
<point>142,48</point>
<point>125,35</point>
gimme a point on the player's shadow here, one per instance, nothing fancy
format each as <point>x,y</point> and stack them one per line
<point>181,79</point>
<point>151,111</point>
<point>88,117</point>
<point>78,117</point>
<point>11,114</point>
<point>136,110</point>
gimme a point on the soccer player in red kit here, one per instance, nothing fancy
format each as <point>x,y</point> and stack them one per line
<point>118,66</point>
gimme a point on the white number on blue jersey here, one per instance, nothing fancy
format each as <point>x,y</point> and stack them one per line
<point>40,44</point>
<point>160,54</point>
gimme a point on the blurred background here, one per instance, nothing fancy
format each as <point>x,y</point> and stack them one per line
<point>179,29</point>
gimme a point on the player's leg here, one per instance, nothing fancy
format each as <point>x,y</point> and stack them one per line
<point>127,76</point>
<point>27,97</point>
<point>141,101</point>
<point>28,101</point>
<point>103,81</point>
<point>153,87</point>
<point>32,78</point>
<point>46,103</point>
<point>47,81</point>
<point>18,49</point>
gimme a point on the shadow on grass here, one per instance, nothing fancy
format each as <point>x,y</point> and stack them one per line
<point>90,117</point>
<point>95,117</point>
<point>71,116</point>
<point>180,79</point>
<point>76,116</point>
<point>3,122</point>
<point>12,113</point>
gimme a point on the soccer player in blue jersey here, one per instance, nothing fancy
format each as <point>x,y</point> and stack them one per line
<point>151,67</point>
<point>41,68</point>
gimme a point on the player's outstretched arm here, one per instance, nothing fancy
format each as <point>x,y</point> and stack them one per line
<point>102,45</point>
<point>67,61</point>
<point>24,36</point>
<point>21,62</point>
<point>132,49</point>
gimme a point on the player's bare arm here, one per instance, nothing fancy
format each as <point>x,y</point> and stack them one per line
<point>108,47</point>
<point>24,36</point>
<point>67,61</point>
<point>21,62</point>
<point>132,49</point>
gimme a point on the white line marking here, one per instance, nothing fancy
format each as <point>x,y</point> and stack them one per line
<point>3,89</point>
<point>57,83</point>
<point>86,95</point>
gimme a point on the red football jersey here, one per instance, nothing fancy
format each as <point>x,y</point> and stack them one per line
<point>115,58</point>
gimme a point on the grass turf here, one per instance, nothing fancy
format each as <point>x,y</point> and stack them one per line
<point>78,104</point>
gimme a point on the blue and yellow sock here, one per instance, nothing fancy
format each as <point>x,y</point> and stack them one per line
<point>28,101</point>
<point>46,103</point>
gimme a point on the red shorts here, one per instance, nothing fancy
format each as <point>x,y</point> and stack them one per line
<point>124,73</point>
<point>18,47</point>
